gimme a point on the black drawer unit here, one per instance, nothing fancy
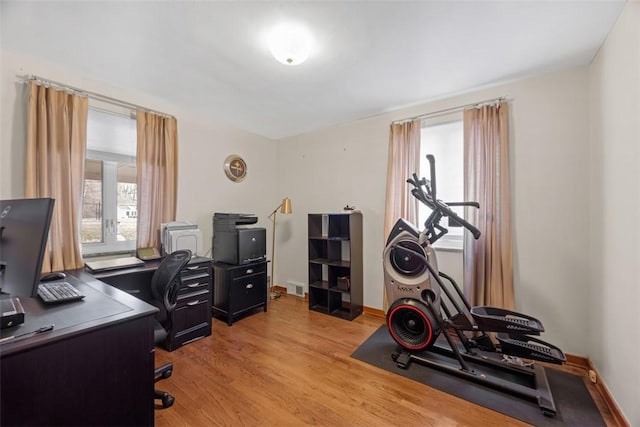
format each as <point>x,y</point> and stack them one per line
<point>191,319</point>
<point>238,289</point>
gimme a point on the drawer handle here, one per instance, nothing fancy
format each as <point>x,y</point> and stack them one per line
<point>249,286</point>
<point>193,302</point>
<point>249,270</point>
<point>193,339</point>
<point>196,276</point>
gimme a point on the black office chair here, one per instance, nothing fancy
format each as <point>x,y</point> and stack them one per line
<point>164,286</point>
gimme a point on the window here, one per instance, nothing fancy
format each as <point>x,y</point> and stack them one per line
<point>445,142</point>
<point>109,212</point>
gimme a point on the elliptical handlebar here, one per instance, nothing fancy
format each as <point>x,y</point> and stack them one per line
<point>456,218</point>
<point>432,169</point>
<point>425,191</point>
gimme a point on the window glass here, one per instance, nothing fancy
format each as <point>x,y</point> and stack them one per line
<point>109,211</point>
<point>92,202</point>
<point>445,142</point>
<point>127,202</point>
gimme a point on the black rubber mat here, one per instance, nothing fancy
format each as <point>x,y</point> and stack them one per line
<point>574,405</point>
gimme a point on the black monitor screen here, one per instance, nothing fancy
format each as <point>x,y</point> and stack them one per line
<point>24,230</point>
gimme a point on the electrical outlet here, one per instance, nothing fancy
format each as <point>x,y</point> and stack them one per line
<point>592,376</point>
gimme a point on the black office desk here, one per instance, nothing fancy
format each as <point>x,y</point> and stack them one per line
<point>135,281</point>
<point>94,368</point>
<point>191,318</point>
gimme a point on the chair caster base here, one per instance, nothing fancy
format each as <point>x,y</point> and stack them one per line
<point>167,401</point>
<point>166,398</point>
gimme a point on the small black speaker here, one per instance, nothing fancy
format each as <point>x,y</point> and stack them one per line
<point>412,324</point>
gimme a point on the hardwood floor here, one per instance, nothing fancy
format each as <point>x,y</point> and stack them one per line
<point>291,367</point>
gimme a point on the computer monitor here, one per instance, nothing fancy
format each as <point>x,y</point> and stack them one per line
<point>24,231</point>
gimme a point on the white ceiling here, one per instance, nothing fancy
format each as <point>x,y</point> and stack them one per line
<point>370,57</point>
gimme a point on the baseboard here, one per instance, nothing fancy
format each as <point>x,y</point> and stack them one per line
<point>374,312</point>
<point>603,390</point>
<point>281,289</point>
<point>594,376</point>
<point>580,362</point>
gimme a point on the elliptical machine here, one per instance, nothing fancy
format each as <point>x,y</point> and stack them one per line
<point>434,324</point>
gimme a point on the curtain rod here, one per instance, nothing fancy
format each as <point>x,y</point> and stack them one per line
<point>450,110</point>
<point>131,115</point>
<point>93,95</point>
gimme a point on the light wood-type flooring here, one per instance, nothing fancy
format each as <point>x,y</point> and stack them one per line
<point>292,367</point>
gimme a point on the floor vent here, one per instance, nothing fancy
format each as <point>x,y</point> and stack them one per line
<point>295,288</point>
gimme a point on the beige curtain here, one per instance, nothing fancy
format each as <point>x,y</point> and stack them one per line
<point>488,261</point>
<point>157,167</point>
<point>54,167</point>
<point>403,160</point>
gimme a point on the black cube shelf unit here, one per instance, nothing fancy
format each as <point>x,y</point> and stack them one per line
<point>335,264</point>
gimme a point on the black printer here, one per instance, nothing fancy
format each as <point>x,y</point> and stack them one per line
<point>236,243</point>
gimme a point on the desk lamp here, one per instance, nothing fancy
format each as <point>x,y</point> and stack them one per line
<point>285,208</point>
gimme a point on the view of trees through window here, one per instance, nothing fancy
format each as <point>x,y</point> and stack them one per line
<point>127,211</point>
<point>92,211</point>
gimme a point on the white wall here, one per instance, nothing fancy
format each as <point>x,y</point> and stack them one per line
<point>615,209</point>
<point>203,144</point>
<point>549,156</point>
<point>576,204</point>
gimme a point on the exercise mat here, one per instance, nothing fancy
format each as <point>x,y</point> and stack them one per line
<point>574,405</point>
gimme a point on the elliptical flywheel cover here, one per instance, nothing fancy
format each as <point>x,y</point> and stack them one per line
<point>412,324</point>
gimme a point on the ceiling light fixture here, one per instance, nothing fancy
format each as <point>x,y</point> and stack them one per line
<point>290,43</point>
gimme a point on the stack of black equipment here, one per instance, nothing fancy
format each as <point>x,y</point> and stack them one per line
<point>234,242</point>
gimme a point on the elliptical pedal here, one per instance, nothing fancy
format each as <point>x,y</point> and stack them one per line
<point>500,320</point>
<point>530,348</point>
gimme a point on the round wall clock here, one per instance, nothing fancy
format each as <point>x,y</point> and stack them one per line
<point>235,167</point>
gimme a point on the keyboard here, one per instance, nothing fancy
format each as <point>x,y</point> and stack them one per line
<point>53,292</point>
